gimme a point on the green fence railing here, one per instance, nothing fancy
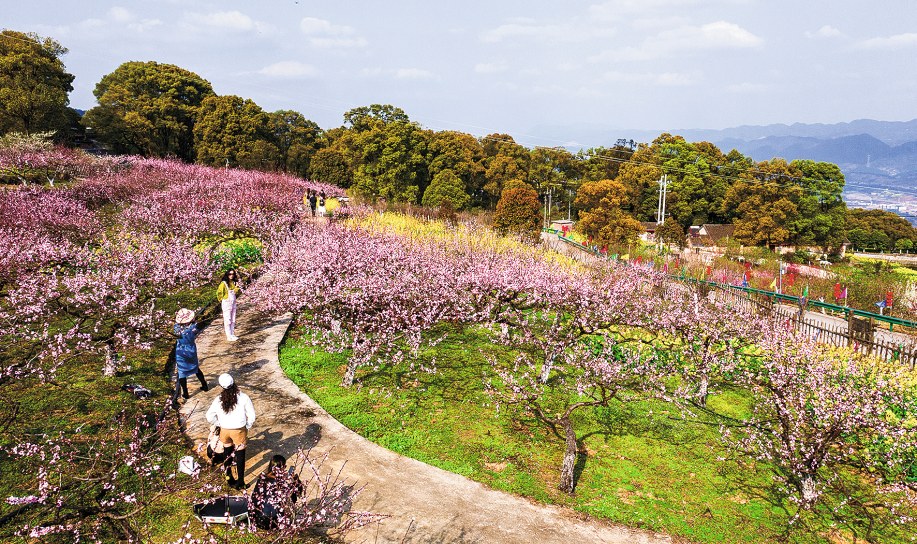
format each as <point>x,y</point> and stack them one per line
<point>846,310</point>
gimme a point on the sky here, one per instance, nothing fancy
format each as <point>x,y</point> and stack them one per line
<point>537,70</point>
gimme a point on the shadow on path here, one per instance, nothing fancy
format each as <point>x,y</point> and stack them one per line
<point>426,504</point>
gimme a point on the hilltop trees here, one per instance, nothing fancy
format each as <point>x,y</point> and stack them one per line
<point>518,212</point>
<point>297,138</point>
<point>387,152</point>
<point>776,203</point>
<point>148,108</point>
<point>330,165</point>
<point>33,84</point>
<point>446,187</point>
<point>821,206</point>
<point>235,132</point>
<point>879,229</point>
<point>602,217</point>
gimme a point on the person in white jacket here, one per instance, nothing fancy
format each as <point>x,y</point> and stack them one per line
<point>234,413</point>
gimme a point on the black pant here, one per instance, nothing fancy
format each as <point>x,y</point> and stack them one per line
<point>181,386</point>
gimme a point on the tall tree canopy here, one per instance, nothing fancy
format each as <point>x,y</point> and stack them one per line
<point>518,212</point>
<point>34,84</point>
<point>297,139</point>
<point>388,153</point>
<point>505,160</point>
<point>879,229</point>
<point>602,217</point>
<point>231,130</point>
<point>822,209</point>
<point>148,108</point>
<point>329,165</point>
<point>764,204</point>
<point>460,154</point>
<point>446,186</point>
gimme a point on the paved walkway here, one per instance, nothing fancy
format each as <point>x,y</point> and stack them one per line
<point>426,504</point>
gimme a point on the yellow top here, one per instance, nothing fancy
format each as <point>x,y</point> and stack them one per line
<point>223,290</point>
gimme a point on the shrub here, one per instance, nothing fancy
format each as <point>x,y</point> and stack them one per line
<point>237,254</point>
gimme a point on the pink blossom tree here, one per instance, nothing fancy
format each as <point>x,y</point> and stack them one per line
<point>818,412</point>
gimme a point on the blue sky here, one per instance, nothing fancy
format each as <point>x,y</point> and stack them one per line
<point>513,66</point>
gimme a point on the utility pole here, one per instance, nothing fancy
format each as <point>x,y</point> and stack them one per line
<point>550,199</point>
<point>569,196</point>
<point>546,224</point>
<point>660,209</point>
<point>780,276</point>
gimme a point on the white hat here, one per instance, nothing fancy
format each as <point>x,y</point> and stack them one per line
<point>184,316</point>
<point>225,380</point>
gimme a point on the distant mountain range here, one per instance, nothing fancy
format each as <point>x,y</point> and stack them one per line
<point>875,156</point>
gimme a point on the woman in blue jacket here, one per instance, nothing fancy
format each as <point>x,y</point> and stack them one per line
<point>186,363</point>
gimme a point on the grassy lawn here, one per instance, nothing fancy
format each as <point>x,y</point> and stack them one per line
<point>84,404</point>
<point>643,466</point>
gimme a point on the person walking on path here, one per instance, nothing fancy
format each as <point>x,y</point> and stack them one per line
<point>321,204</point>
<point>186,363</point>
<point>226,294</point>
<point>233,412</point>
<point>313,201</point>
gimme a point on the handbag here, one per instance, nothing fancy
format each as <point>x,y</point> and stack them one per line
<point>216,452</point>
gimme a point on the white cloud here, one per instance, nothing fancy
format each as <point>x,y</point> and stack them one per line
<point>288,69</point>
<point>686,38</point>
<point>116,20</point>
<point>312,26</point>
<point>400,73</point>
<point>490,67</point>
<point>573,31</point>
<point>413,73</point>
<point>719,34</point>
<point>898,41</point>
<point>233,21</point>
<point>826,31</point>
<point>325,34</point>
<point>120,15</point>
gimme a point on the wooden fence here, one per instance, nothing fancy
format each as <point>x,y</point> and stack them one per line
<point>857,333</point>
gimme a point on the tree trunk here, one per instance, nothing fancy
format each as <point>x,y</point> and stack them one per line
<point>569,463</point>
<point>546,369</point>
<point>702,392</point>
<point>809,491</point>
<point>349,375</point>
<point>112,360</point>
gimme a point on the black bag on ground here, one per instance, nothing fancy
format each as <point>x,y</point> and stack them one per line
<point>138,390</point>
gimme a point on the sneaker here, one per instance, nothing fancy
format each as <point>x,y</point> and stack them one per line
<point>232,338</point>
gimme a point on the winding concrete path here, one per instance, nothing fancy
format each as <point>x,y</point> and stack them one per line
<point>425,504</point>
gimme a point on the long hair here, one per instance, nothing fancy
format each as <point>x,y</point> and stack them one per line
<point>229,397</point>
<point>226,276</point>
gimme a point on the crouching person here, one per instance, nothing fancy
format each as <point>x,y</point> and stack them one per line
<point>275,493</point>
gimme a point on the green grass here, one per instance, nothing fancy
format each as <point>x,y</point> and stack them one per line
<point>82,399</point>
<point>644,465</point>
